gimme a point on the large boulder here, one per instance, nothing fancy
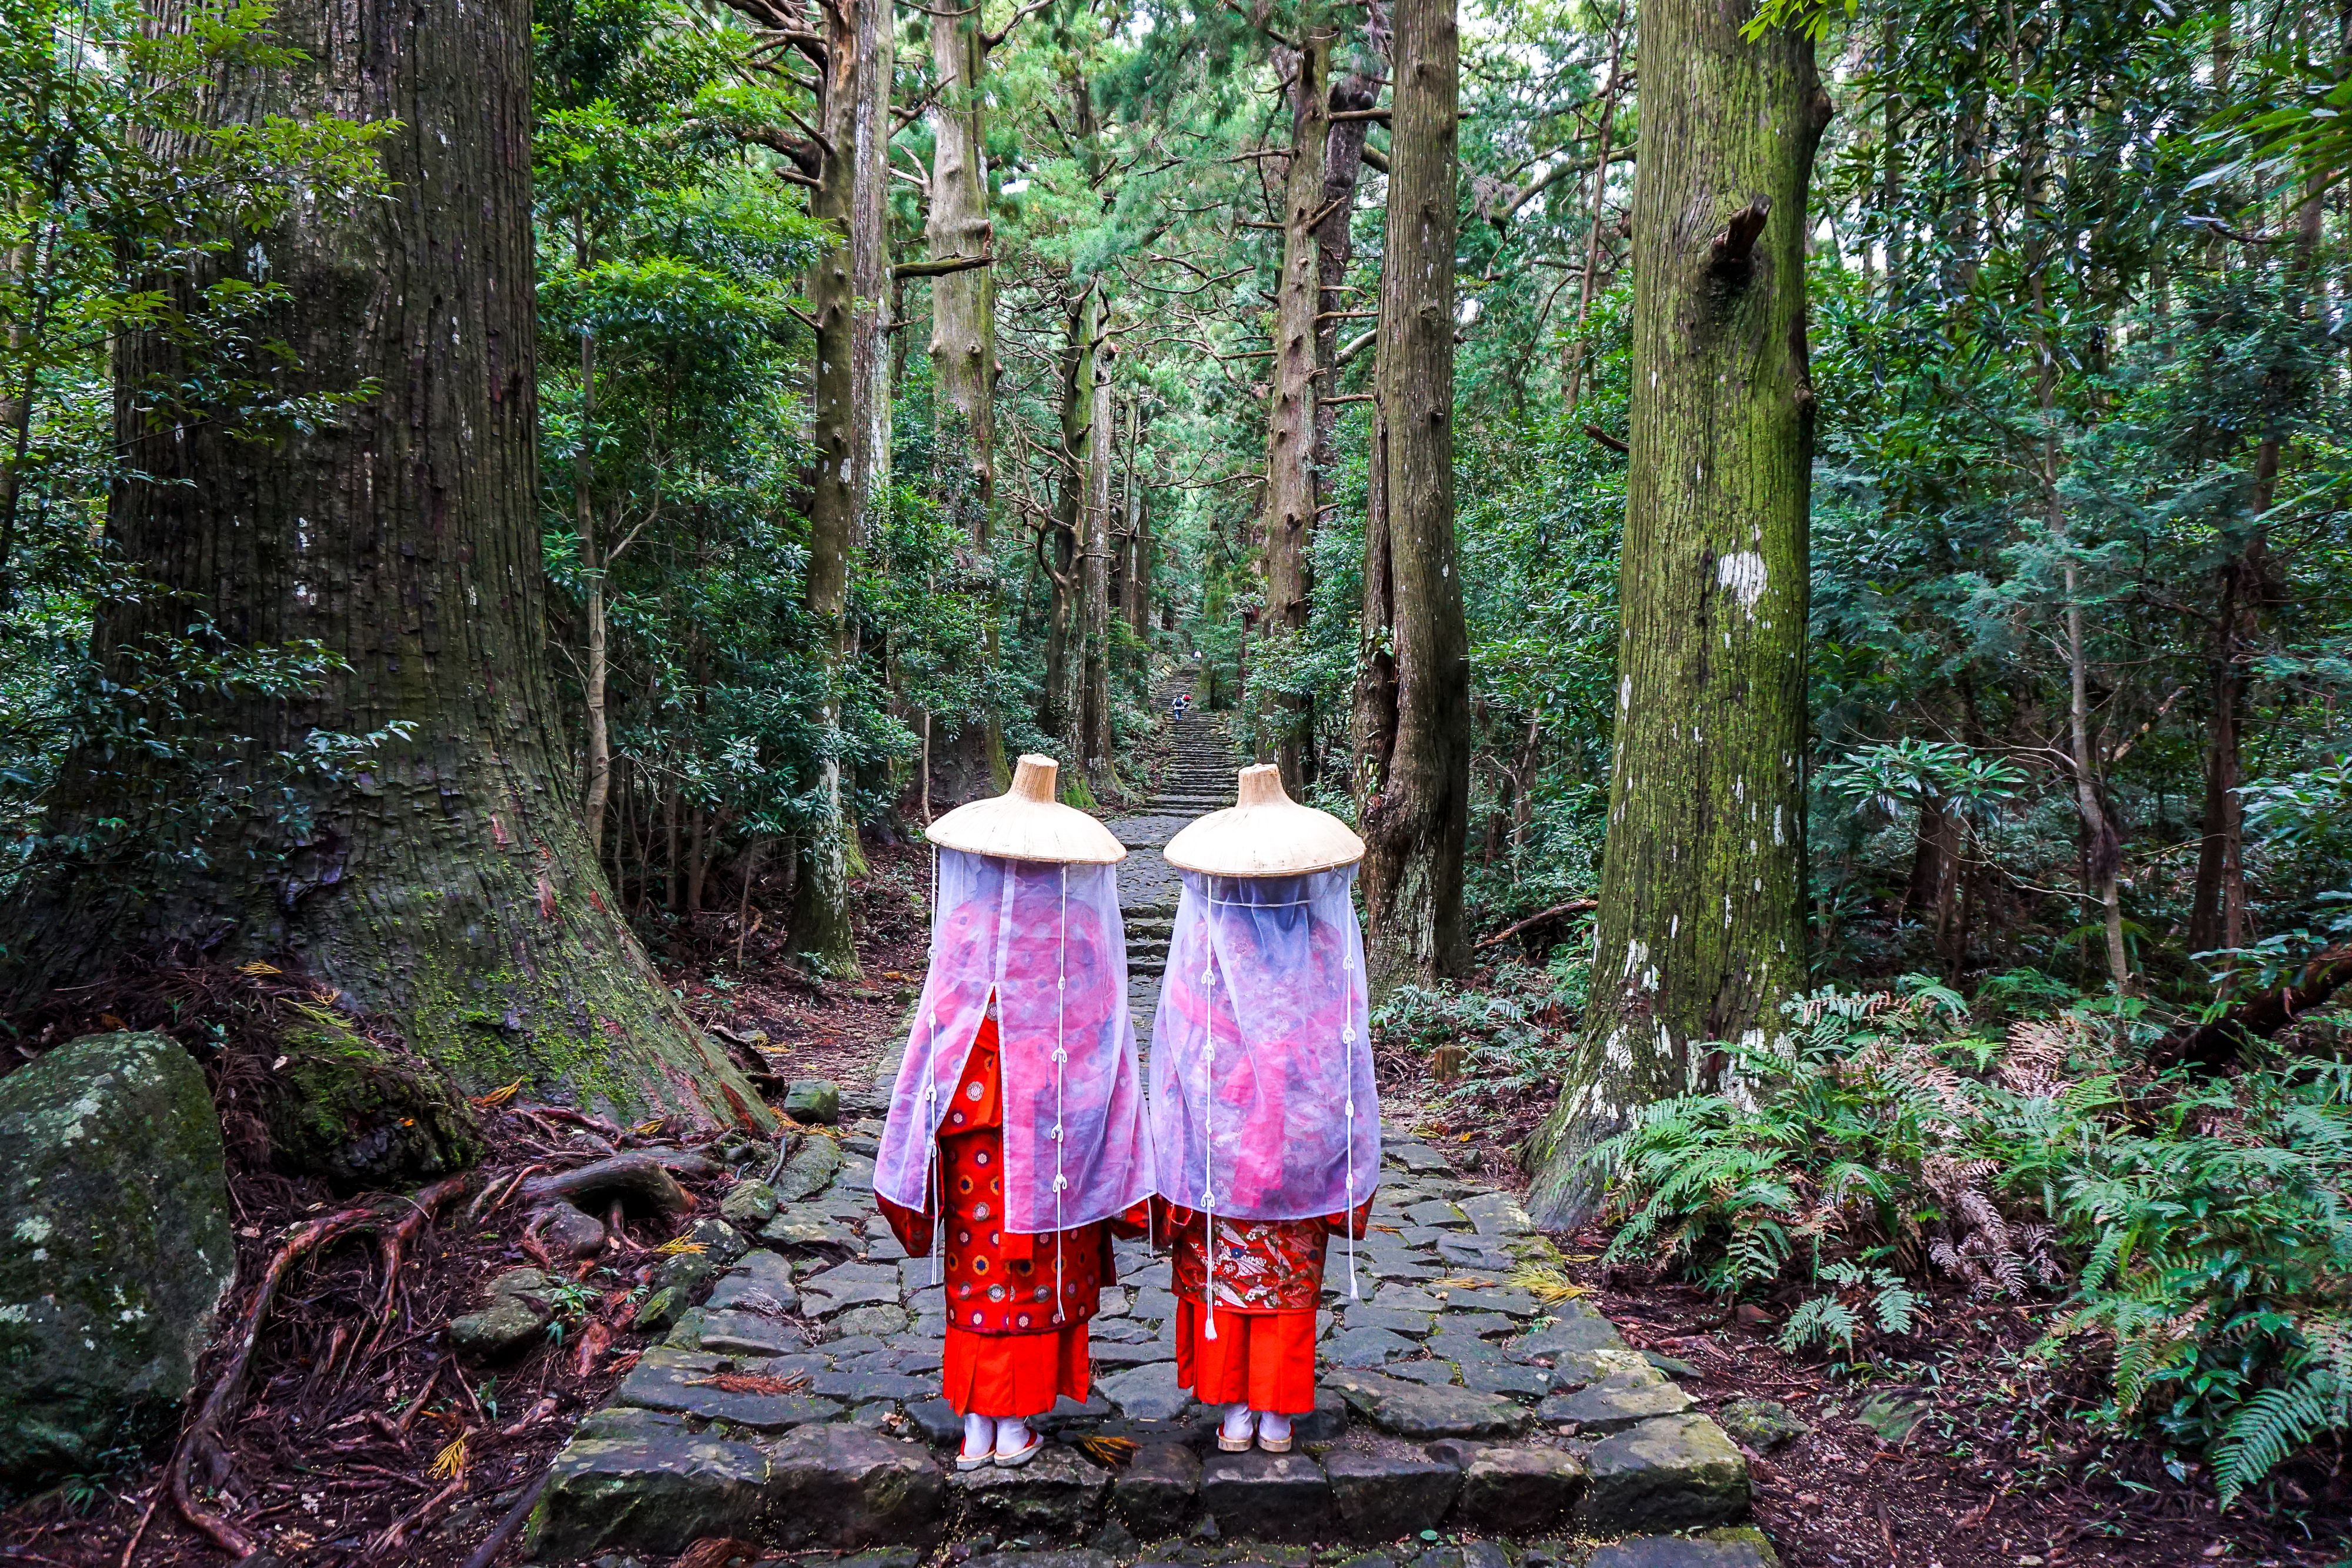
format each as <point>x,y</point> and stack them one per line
<point>115,1247</point>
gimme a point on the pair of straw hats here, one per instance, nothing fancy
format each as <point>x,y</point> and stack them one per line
<point>1267,834</point>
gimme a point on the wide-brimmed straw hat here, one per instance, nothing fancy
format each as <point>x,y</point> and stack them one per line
<point>1026,823</point>
<point>1268,834</point>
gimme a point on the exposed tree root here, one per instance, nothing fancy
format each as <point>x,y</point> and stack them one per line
<point>201,1442</point>
<point>496,1542</point>
<point>636,1177</point>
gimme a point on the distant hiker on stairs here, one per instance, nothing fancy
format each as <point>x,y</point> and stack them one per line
<point>1018,1112</point>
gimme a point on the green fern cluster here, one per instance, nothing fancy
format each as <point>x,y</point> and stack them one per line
<point>2198,1235</point>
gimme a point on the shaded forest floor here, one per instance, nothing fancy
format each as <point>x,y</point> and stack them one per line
<point>1948,1448</point>
<point>1971,1455</point>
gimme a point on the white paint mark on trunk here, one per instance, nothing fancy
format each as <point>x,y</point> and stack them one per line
<point>1742,573</point>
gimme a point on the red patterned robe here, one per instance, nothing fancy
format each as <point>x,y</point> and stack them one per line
<point>1268,1287</point>
<point>1007,1353</point>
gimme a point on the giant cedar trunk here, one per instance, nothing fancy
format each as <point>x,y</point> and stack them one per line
<point>1416,791</point>
<point>821,926</point>
<point>444,879</point>
<point>1701,934</point>
<point>1293,495</point>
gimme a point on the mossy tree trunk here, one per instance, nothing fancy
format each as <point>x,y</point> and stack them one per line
<point>1413,720</point>
<point>963,321</point>
<point>1701,934</point>
<point>1293,492</point>
<point>821,924</point>
<point>443,879</point>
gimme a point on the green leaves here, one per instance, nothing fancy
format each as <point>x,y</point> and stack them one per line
<point>2203,1234</point>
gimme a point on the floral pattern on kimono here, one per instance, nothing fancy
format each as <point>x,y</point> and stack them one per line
<point>1262,1265</point>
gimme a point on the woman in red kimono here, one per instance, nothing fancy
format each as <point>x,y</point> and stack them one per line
<point>1268,1287</point>
<point>1010,1353</point>
<point>1018,1112</point>
<point>1265,1124</point>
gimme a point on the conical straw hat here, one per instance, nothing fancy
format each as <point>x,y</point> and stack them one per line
<point>1026,823</point>
<point>1268,834</point>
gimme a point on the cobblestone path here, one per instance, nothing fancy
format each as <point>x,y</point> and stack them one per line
<point>1464,1421</point>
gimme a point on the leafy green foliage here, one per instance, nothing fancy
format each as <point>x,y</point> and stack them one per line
<point>115,184</point>
<point>2200,1233</point>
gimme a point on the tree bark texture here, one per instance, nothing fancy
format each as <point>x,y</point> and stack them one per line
<point>963,331</point>
<point>1139,531</point>
<point>1095,725</point>
<point>821,925</point>
<point>869,251</point>
<point>1417,807</point>
<point>1700,933</point>
<point>442,880</point>
<point>963,304</point>
<point>1065,547</point>
<point>583,496</point>
<point>1293,495</point>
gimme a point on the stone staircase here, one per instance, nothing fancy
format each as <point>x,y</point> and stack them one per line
<point>1199,778</point>
<point>797,1408</point>
<point>1463,1420</point>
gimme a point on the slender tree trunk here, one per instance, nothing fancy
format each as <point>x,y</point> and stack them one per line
<point>821,923</point>
<point>443,879</point>
<point>30,267</point>
<point>2221,871</point>
<point>1589,285</point>
<point>1417,812</point>
<point>1701,927</point>
<point>1095,670</point>
<point>584,483</point>
<point>1139,534</point>
<point>1065,629</point>
<point>1343,166</point>
<point>1293,495</point>
<point>869,251</point>
<point>963,327</point>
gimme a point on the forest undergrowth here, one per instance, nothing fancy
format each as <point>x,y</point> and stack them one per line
<point>2035,1288</point>
<point>354,1422</point>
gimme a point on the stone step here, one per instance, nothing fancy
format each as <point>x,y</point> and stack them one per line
<point>1448,1400</point>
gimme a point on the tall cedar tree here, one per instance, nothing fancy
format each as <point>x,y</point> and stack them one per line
<point>1701,934</point>
<point>821,925</point>
<point>1413,717</point>
<point>1293,492</point>
<point>963,324</point>
<point>445,881</point>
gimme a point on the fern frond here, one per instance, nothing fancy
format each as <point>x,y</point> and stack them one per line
<point>2272,1425</point>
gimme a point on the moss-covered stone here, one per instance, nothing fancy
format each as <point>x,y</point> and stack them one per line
<point>115,1248</point>
<point>344,1107</point>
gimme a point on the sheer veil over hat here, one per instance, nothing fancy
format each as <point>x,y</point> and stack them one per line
<point>1047,941</point>
<point>1263,1103</point>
